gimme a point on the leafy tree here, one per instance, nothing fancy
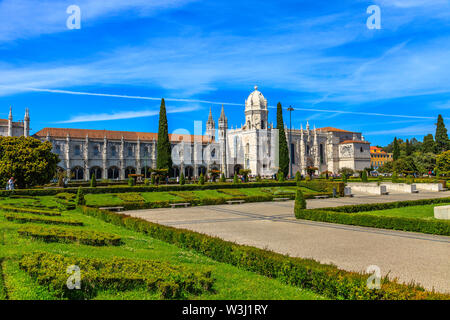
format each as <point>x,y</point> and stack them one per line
<point>283,150</point>
<point>93,181</point>
<point>424,162</point>
<point>396,150</point>
<point>182,179</point>
<point>29,161</point>
<point>347,172</point>
<point>405,165</point>
<point>387,167</point>
<point>408,148</point>
<point>245,173</point>
<point>428,145</point>
<point>441,135</point>
<point>394,177</point>
<point>443,163</point>
<point>300,202</point>
<point>163,158</point>
<point>79,200</point>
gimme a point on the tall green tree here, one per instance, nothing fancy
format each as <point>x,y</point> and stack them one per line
<point>396,150</point>
<point>164,157</point>
<point>408,148</point>
<point>29,161</point>
<point>441,136</point>
<point>283,150</point>
<point>443,163</point>
<point>428,145</point>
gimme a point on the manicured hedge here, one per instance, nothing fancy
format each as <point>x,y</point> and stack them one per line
<point>118,274</point>
<point>61,234</point>
<point>306,273</point>
<point>160,188</point>
<point>136,205</point>
<point>30,210</point>
<point>24,218</point>
<point>352,215</point>
<point>323,186</point>
<point>3,292</point>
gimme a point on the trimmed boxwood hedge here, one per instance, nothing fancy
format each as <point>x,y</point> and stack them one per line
<point>203,201</point>
<point>118,274</point>
<point>3,292</point>
<point>160,188</point>
<point>61,234</point>
<point>352,215</point>
<point>30,210</point>
<point>24,218</point>
<point>306,273</point>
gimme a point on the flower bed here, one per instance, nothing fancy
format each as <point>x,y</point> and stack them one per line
<point>118,274</point>
<point>61,234</point>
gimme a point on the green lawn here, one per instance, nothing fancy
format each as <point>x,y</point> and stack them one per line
<point>230,282</point>
<point>422,212</point>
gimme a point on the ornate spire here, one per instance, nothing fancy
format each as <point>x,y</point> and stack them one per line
<point>10,117</point>
<point>222,115</point>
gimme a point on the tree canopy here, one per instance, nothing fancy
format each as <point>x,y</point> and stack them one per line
<point>29,161</point>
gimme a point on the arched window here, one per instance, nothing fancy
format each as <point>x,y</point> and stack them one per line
<point>77,173</point>
<point>113,173</point>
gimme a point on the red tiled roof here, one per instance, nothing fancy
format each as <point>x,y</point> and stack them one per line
<point>114,135</point>
<point>331,129</point>
<point>3,121</point>
<point>354,141</point>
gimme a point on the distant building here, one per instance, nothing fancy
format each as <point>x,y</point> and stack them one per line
<point>8,128</point>
<point>378,157</point>
<point>254,145</point>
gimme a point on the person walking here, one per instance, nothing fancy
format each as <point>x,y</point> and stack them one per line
<point>11,183</point>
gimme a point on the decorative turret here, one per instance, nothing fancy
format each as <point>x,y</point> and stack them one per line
<point>256,112</point>
<point>26,124</point>
<point>10,123</point>
<point>210,126</point>
<point>223,126</point>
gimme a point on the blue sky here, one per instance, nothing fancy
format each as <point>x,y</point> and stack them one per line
<point>318,56</point>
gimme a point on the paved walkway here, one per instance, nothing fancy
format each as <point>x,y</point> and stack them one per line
<point>408,256</point>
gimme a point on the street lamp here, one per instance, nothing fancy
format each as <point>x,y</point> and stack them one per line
<point>290,109</point>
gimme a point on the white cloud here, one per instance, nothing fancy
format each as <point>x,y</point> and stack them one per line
<point>125,115</point>
<point>29,18</point>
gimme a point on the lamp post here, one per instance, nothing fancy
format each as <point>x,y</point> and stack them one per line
<point>290,109</point>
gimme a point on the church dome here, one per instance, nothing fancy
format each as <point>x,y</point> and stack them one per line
<point>255,101</point>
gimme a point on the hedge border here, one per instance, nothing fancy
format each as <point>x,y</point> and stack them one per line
<point>30,210</point>
<point>3,291</point>
<point>60,234</point>
<point>351,215</point>
<point>324,279</point>
<point>25,218</point>
<point>160,188</point>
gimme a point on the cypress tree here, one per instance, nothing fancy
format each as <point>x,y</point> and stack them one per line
<point>364,176</point>
<point>93,181</point>
<point>441,135</point>
<point>396,150</point>
<point>79,200</point>
<point>283,150</point>
<point>201,179</point>
<point>163,158</point>
<point>235,179</point>
<point>222,178</point>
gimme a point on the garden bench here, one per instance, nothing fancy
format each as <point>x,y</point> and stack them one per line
<point>321,197</point>
<point>281,199</point>
<point>235,201</point>
<point>184,204</point>
<point>118,209</point>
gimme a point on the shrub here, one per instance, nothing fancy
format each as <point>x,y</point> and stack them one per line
<point>351,215</point>
<point>131,181</point>
<point>80,201</point>
<point>30,210</point>
<point>201,180</point>
<point>146,182</point>
<point>153,179</point>
<point>298,177</point>
<point>300,202</point>
<point>235,179</point>
<point>307,273</point>
<point>24,217</point>
<point>130,197</point>
<point>394,177</point>
<point>364,176</point>
<point>117,274</point>
<point>222,178</point>
<point>182,179</point>
<point>93,181</point>
<point>280,176</point>
<point>61,234</point>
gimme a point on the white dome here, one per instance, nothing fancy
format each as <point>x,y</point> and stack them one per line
<point>255,101</point>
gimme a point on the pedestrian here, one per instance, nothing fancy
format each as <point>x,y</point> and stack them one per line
<point>11,183</point>
<point>178,179</point>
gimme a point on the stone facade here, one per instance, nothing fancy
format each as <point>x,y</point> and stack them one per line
<point>8,128</point>
<point>254,146</point>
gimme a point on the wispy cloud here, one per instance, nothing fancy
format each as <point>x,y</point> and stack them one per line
<point>30,18</point>
<point>125,115</point>
<point>417,130</point>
